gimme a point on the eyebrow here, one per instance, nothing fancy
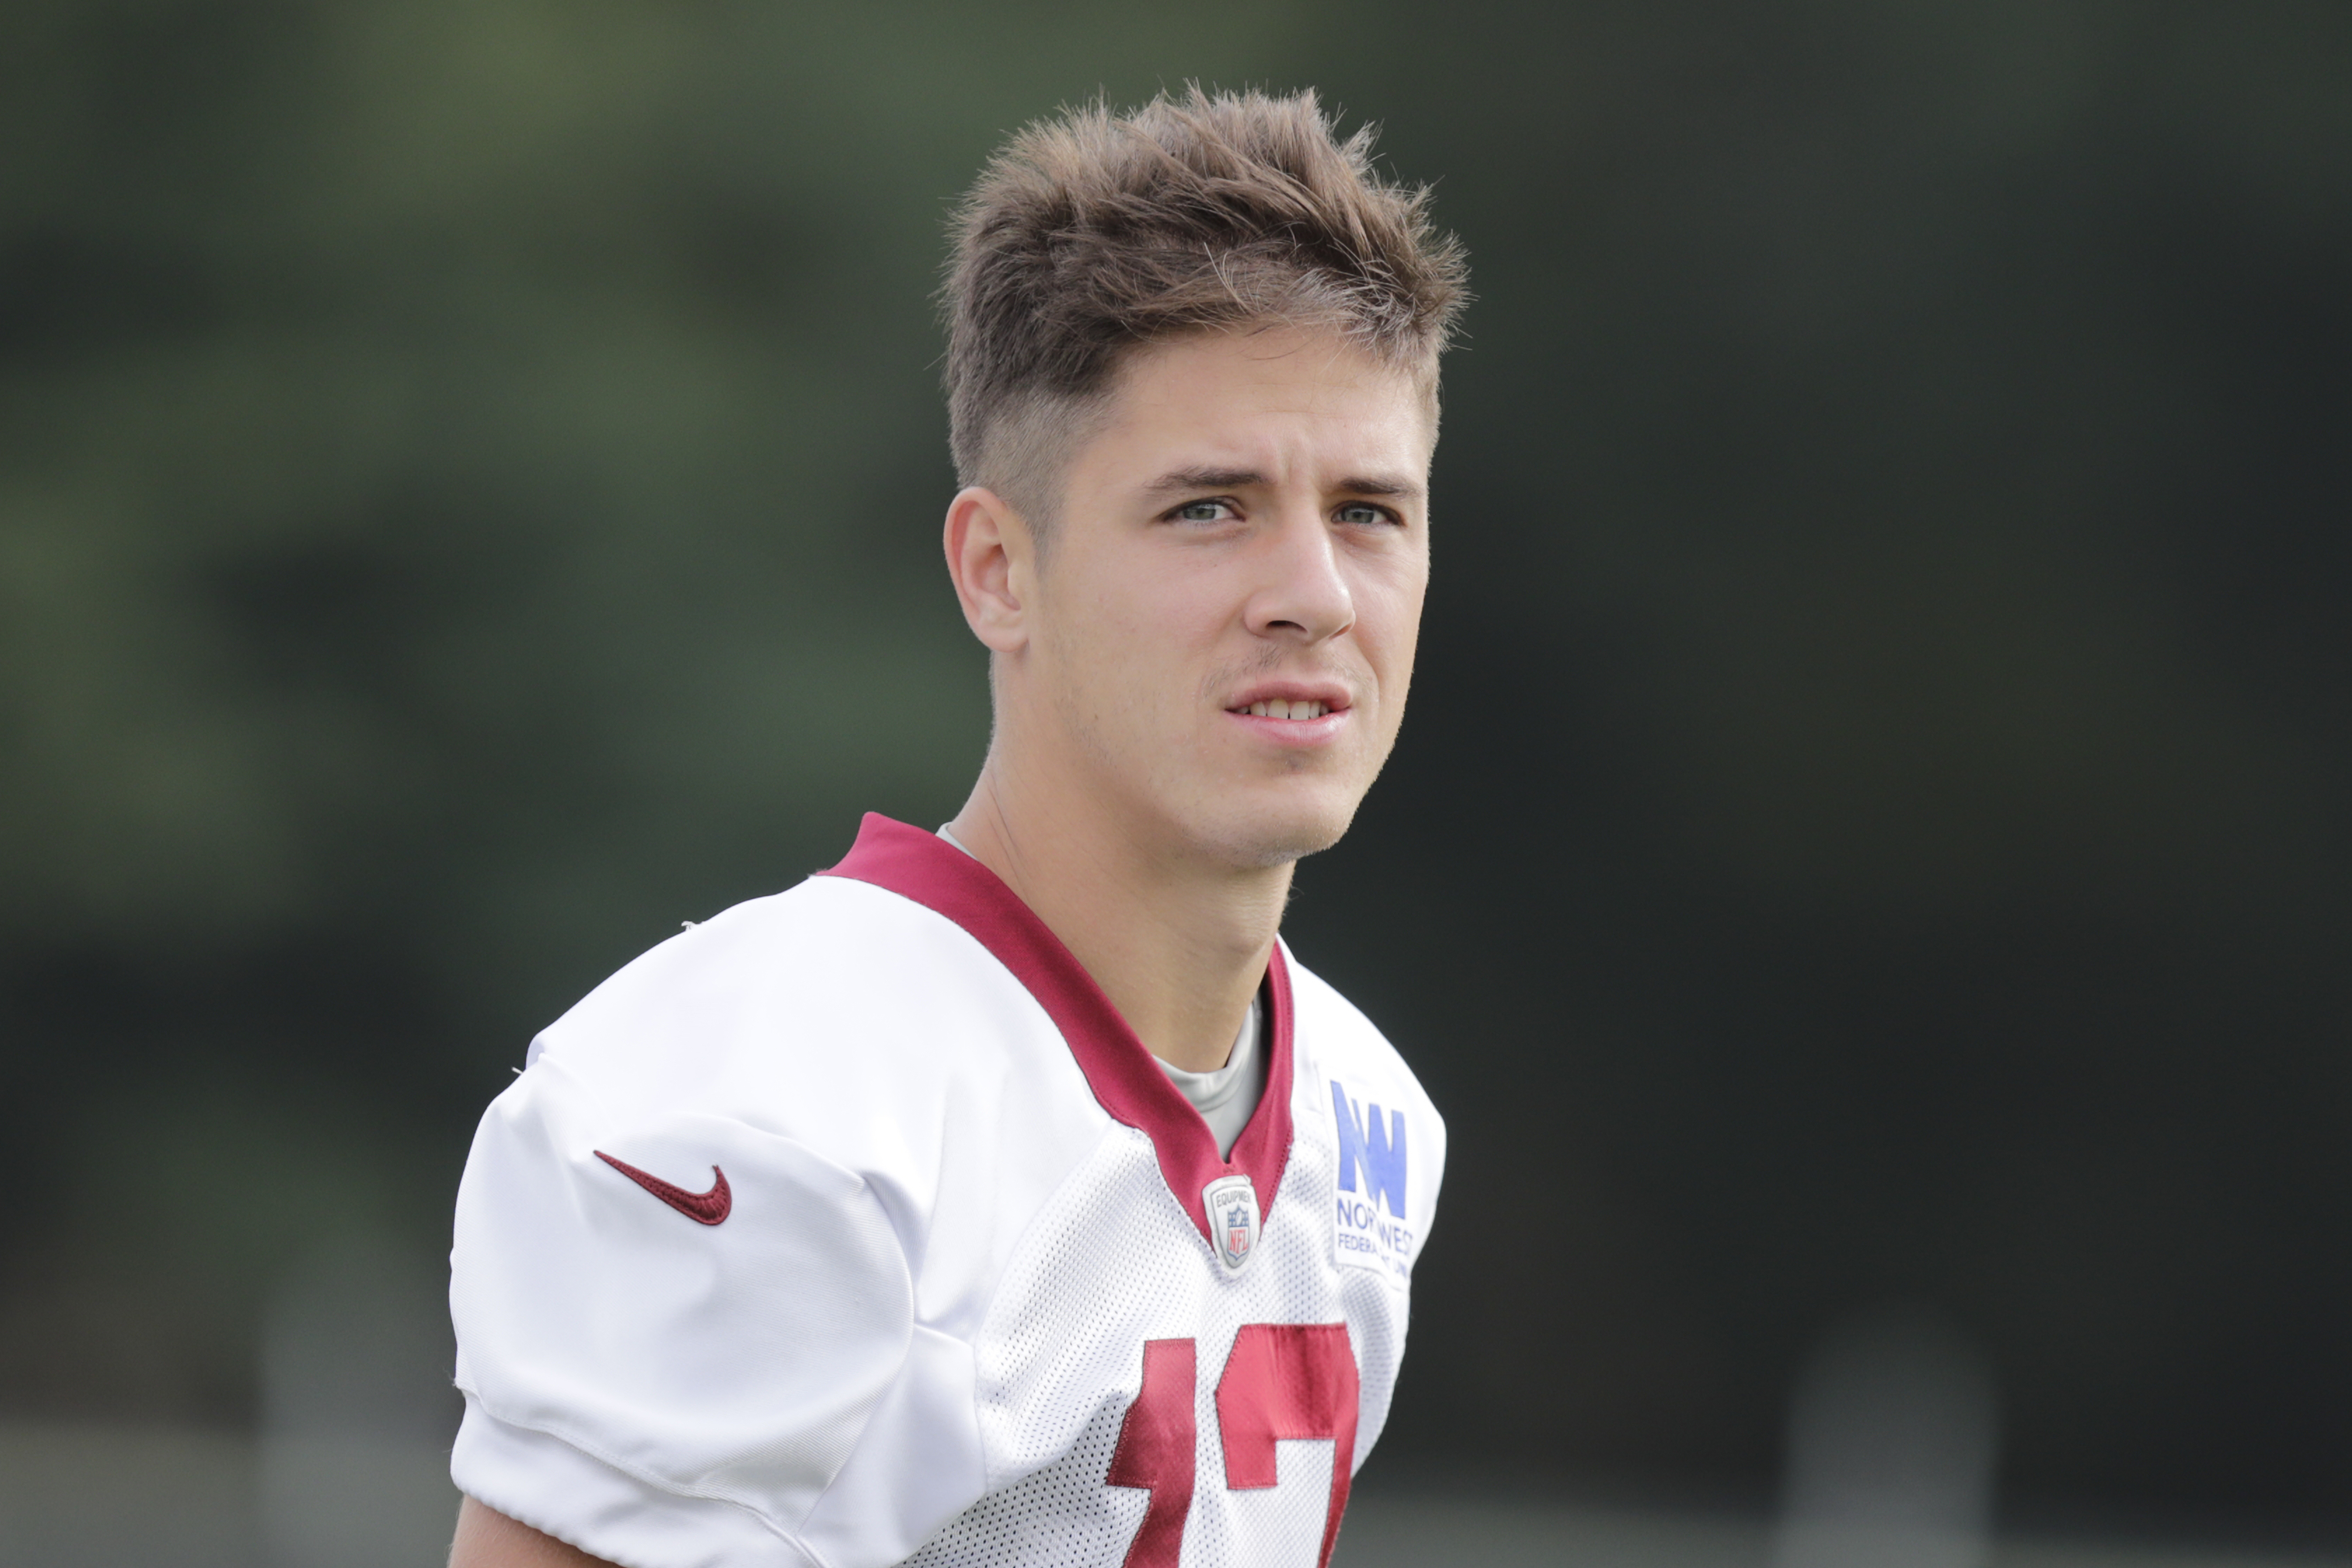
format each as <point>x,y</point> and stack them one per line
<point>1178,480</point>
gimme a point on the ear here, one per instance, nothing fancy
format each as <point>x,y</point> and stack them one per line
<point>991,559</point>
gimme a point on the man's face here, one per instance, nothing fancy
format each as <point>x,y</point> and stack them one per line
<point>1247,537</point>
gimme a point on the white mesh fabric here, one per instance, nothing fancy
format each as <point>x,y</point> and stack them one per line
<point>1113,1261</point>
<point>1062,1516</point>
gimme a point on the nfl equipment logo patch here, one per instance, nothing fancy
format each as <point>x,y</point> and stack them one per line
<point>1232,1206</point>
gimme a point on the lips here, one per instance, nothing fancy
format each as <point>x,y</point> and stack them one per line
<point>1293,716</point>
<point>1294,700</point>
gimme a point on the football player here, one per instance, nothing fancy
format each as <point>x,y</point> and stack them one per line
<point>1009,1193</point>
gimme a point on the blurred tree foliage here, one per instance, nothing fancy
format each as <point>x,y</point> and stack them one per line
<point>1874,823</point>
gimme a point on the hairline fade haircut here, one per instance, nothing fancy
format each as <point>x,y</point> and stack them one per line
<point>1090,236</point>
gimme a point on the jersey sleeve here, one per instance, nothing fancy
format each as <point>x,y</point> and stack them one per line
<point>667,1364</point>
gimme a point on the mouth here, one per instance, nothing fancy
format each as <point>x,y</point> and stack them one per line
<point>1277,708</point>
<point>1294,713</point>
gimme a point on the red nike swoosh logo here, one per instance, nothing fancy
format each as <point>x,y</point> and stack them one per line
<point>703,1208</point>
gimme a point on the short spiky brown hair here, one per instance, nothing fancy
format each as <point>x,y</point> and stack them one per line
<point>1092,234</point>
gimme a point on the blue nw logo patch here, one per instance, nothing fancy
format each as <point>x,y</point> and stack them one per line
<point>1373,1146</point>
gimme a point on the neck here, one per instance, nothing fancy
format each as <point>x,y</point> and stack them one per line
<point>1179,945</point>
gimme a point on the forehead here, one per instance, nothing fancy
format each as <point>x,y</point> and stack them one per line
<point>1285,402</point>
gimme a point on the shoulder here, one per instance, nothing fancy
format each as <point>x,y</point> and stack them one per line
<point>1337,1040</point>
<point>806,1012</point>
<point>827,951</point>
<point>1353,1091</point>
<point>1369,1148</point>
<point>726,1239</point>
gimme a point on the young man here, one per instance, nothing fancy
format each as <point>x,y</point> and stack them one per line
<point>1009,1194</point>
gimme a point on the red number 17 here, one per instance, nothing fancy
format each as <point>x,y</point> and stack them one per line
<point>1281,1380</point>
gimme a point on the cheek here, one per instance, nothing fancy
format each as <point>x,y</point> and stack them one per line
<point>1387,626</point>
<point>1124,648</point>
<point>1156,623</point>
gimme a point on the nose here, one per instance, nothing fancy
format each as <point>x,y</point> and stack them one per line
<point>1304,596</point>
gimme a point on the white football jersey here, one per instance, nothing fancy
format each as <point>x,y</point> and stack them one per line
<point>854,1226</point>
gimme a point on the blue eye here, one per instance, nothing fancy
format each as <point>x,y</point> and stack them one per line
<point>1359,514</point>
<point>1202,511</point>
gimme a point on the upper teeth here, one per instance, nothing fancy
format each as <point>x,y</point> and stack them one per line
<point>1277,708</point>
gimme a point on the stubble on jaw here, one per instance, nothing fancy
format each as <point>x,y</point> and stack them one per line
<point>1265,854</point>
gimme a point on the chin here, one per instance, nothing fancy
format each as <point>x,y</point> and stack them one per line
<point>1272,834</point>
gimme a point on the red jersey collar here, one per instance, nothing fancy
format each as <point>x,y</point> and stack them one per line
<point>1127,1079</point>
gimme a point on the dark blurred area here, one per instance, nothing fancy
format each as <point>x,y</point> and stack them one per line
<point>1872,832</point>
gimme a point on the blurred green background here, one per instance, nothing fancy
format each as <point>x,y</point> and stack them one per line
<point>1872,830</point>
